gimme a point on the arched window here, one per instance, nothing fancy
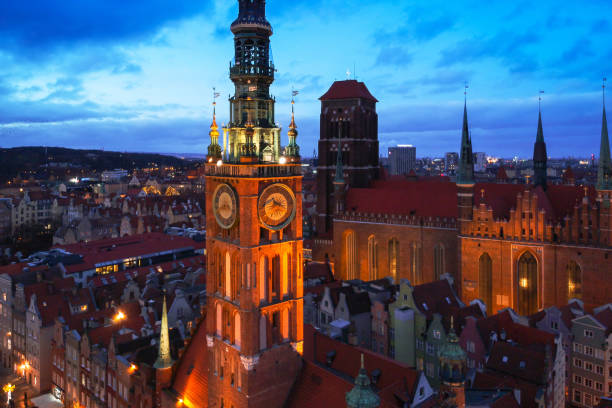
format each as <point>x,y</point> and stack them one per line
<point>393,258</point>
<point>350,250</point>
<point>574,281</point>
<point>284,276</point>
<point>219,320</point>
<point>372,257</point>
<point>485,281</point>
<point>285,325</point>
<point>263,277</point>
<point>276,274</point>
<point>263,328</point>
<point>237,337</point>
<point>527,284</point>
<point>438,261</point>
<point>415,264</point>
<point>228,277</point>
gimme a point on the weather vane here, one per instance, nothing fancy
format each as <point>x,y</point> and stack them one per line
<point>215,96</point>
<point>348,74</point>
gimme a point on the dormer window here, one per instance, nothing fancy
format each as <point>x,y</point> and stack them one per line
<point>504,359</point>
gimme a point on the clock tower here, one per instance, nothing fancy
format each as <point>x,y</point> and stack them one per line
<point>253,236</point>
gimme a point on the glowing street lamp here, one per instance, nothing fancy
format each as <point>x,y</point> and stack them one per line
<point>8,388</point>
<point>23,367</point>
<point>119,316</point>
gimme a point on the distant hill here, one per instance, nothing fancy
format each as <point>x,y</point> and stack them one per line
<point>38,160</point>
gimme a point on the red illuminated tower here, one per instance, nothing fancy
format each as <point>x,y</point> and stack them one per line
<point>254,237</point>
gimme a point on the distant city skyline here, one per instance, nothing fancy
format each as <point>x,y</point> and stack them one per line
<point>139,77</point>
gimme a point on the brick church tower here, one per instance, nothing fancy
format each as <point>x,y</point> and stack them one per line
<point>348,121</point>
<point>254,236</point>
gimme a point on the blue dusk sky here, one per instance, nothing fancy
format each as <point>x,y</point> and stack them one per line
<point>133,75</point>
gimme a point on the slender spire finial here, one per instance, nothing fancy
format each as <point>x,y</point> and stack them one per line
<point>603,91</point>
<point>362,364</point>
<point>540,101</point>
<point>466,86</point>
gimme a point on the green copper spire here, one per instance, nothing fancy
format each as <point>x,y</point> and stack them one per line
<point>604,169</point>
<point>466,161</point>
<point>164,359</point>
<point>452,358</point>
<point>362,395</point>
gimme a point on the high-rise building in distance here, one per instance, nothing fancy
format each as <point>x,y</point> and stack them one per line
<point>402,159</point>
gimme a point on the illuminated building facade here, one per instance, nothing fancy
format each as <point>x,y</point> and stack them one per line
<point>254,329</point>
<point>522,246</point>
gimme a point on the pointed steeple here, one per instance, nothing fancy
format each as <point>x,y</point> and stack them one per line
<point>540,157</point>
<point>292,150</point>
<point>362,395</point>
<point>164,359</point>
<point>214,149</point>
<point>604,169</point>
<point>465,175</point>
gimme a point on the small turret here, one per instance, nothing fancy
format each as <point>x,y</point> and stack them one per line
<point>214,149</point>
<point>452,370</point>
<point>292,151</point>
<point>362,395</point>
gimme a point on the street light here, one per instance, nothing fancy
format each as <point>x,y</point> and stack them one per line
<point>119,316</point>
<point>8,388</point>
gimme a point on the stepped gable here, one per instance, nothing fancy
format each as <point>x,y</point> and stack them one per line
<point>557,200</point>
<point>349,89</point>
<point>422,198</point>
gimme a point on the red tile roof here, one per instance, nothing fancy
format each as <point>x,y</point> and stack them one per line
<point>421,198</point>
<point>191,378</point>
<point>116,249</point>
<point>349,89</point>
<point>395,378</point>
<point>317,387</point>
<point>493,380</point>
<point>518,362</point>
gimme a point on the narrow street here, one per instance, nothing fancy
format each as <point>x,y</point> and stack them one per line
<point>21,388</point>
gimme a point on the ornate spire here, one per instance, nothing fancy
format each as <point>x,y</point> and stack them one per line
<point>604,169</point>
<point>452,358</point>
<point>164,359</point>
<point>214,149</point>
<point>540,157</point>
<point>293,150</point>
<point>466,161</point>
<point>362,395</point>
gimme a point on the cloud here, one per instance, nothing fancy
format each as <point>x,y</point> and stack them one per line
<point>38,27</point>
<point>507,47</point>
<point>393,56</point>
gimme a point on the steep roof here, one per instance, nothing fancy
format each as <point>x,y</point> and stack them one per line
<point>191,377</point>
<point>396,382</point>
<point>349,89</point>
<point>518,362</point>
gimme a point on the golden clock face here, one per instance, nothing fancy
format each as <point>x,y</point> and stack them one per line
<point>225,206</point>
<point>276,206</point>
